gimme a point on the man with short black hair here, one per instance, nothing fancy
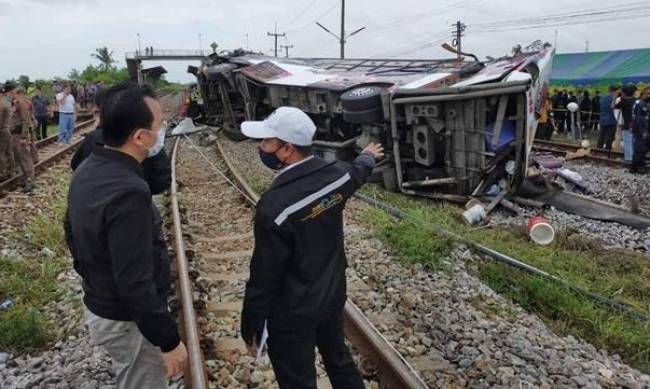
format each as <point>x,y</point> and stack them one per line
<point>115,236</point>
<point>626,104</point>
<point>607,119</point>
<point>40,104</point>
<point>640,131</point>
<point>66,103</point>
<point>297,286</point>
<point>156,168</point>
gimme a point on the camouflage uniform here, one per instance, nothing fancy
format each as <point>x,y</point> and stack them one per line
<point>7,164</point>
<point>21,125</point>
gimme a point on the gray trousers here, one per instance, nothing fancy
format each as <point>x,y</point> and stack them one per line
<point>138,364</point>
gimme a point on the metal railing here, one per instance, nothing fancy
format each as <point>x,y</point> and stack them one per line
<point>147,53</point>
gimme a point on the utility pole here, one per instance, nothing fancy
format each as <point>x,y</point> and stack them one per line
<point>286,47</point>
<point>275,35</point>
<point>457,38</point>
<point>586,46</point>
<point>555,42</point>
<point>342,38</point>
<point>200,43</point>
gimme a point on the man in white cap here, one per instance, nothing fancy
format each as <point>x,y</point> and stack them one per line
<point>297,286</point>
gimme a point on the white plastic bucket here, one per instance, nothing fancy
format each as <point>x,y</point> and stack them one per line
<point>474,215</point>
<point>540,230</point>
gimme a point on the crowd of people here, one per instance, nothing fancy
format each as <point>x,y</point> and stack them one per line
<point>620,119</point>
<point>25,115</point>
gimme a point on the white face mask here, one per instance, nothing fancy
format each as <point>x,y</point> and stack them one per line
<point>160,143</point>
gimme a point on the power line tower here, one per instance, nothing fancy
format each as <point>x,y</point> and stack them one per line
<point>342,38</point>
<point>275,35</point>
<point>457,37</point>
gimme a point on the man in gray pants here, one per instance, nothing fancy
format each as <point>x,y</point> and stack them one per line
<point>114,233</point>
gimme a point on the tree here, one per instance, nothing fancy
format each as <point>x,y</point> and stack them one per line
<point>24,81</point>
<point>74,75</point>
<point>105,58</point>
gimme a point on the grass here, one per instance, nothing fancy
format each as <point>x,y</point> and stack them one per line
<point>412,241</point>
<point>31,281</point>
<point>623,276</point>
<point>569,313</point>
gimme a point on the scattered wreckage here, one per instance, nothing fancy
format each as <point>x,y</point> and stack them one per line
<point>454,128</point>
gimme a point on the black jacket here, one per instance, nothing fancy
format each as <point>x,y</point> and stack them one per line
<point>297,272</point>
<point>114,232</point>
<point>626,105</point>
<point>640,117</point>
<point>157,169</point>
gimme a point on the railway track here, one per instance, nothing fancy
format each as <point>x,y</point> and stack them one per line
<point>608,157</point>
<point>49,152</point>
<point>213,243</point>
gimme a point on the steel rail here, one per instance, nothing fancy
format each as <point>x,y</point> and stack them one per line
<point>86,117</point>
<point>379,356</point>
<point>510,261</point>
<point>611,157</point>
<point>196,375</point>
<point>12,182</point>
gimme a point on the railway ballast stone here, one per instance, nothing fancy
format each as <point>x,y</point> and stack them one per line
<point>476,338</point>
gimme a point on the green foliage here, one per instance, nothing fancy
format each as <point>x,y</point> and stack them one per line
<point>74,75</point>
<point>31,281</point>
<point>619,275</point>
<point>24,81</point>
<point>602,87</point>
<point>23,329</point>
<point>414,242</point>
<point>98,74</point>
<point>570,313</point>
<point>105,58</point>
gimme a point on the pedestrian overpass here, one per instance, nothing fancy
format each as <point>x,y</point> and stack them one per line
<point>134,59</point>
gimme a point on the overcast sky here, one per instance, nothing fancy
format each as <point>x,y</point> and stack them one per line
<point>46,38</point>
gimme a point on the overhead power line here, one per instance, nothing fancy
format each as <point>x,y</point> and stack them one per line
<point>439,11</point>
<point>317,18</point>
<point>622,12</point>
<point>299,14</point>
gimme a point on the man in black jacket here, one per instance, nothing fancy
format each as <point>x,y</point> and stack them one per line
<point>626,105</point>
<point>113,231</point>
<point>157,169</point>
<point>640,130</point>
<point>297,286</point>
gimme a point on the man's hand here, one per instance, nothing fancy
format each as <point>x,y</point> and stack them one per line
<point>252,347</point>
<point>175,361</point>
<point>375,149</point>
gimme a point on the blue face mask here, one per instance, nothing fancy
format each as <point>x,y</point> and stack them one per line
<point>270,160</point>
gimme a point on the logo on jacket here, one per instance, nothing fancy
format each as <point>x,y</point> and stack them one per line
<point>323,205</point>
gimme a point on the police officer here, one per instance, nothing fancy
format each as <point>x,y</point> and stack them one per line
<point>7,164</point>
<point>640,131</point>
<point>21,132</point>
<point>297,286</point>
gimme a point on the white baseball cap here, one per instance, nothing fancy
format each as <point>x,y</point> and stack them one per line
<point>285,123</point>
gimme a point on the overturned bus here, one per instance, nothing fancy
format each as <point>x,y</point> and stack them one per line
<point>453,127</point>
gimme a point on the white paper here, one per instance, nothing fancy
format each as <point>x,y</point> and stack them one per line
<point>262,345</point>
